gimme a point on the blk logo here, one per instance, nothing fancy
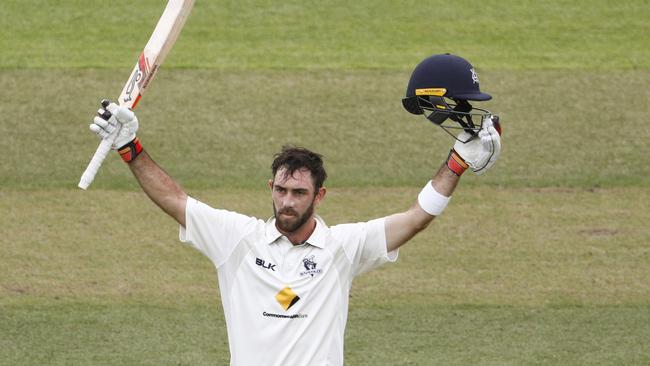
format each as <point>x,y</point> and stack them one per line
<point>262,263</point>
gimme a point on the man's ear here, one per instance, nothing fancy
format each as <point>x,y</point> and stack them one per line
<point>320,195</point>
<point>271,184</point>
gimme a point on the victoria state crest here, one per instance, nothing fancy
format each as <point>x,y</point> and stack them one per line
<point>474,76</point>
<point>310,265</point>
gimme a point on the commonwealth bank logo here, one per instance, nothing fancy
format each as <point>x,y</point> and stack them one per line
<point>287,298</point>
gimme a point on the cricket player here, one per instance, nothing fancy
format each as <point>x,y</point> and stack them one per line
<point>285,281</point>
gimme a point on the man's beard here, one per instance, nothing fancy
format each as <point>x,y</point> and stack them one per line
<point>289,225</point>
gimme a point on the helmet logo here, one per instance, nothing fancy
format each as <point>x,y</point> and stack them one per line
<point>474,76</point>
<point>438,92</point>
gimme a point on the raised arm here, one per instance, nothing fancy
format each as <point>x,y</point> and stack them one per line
<point>155,182</point>
<point>479,154</point>
<point>401,227</point>
<point>159,186</point>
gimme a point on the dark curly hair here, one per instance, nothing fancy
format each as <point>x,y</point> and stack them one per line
<point>296,158</point>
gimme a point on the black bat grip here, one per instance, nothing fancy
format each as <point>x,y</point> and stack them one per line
<point>105,114</point>
<point>495,122</point>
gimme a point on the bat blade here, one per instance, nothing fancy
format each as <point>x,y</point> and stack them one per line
<point>161,41</point>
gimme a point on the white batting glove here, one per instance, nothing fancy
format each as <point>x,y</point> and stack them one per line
<point>112,119</point>
<point>481,152</point>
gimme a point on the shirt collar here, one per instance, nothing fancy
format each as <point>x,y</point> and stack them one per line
<point>316,239</point>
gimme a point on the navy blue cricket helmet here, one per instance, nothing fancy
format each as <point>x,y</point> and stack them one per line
<point>440,88</point>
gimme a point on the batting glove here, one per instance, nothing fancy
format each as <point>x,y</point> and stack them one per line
<point>480,153</point>
<point>112,119</point>
<point>120,123</point>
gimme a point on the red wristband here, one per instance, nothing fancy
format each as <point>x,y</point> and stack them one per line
<point>129,151</point>
<point>455,163</point>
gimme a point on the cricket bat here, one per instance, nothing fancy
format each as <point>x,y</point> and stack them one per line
<point>161,41</point>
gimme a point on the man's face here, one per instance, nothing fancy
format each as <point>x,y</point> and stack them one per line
<point>294,199</point>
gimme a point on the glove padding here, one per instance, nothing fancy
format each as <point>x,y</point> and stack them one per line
<point>121,121</point>
<point>483,150</point>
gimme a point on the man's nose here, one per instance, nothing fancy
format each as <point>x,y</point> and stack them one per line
<point>288,200</point>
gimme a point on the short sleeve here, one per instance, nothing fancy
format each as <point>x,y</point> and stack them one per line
<point>214,232</point>
<point>365,244</point>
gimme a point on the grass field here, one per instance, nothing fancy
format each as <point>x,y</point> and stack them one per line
<point>543,261</point>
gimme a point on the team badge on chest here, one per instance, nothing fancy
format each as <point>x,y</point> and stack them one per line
<point>310,266</point>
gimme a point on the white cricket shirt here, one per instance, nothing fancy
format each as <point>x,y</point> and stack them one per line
<point>284,304</point>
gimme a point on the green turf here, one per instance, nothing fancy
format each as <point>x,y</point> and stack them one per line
<point>385,34</point>
<point>137,334</point>
<point>542,261</point>
<point>396,334</point>
<point>578,129</point>
<point>546,278</point>
<point>488,335</point>
<point>493,246</point>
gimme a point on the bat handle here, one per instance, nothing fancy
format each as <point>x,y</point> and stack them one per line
<point>96,162</point>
